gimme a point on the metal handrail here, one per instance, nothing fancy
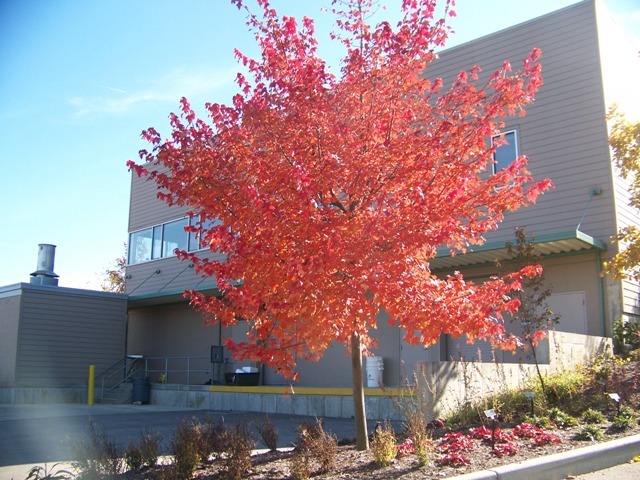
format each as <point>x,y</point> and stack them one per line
<point>126,366</point>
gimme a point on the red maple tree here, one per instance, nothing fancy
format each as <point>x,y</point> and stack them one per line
<point>334,191</point>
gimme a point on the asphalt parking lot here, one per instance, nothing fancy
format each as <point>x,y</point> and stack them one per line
<point>38,434</point>
<point>35,434</point>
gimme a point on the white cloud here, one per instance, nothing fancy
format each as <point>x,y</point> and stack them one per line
<point>168,89</point>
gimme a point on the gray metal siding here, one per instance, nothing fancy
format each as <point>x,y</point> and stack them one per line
<point>174,276</point>
<point>145,209</point>
<point>564,132</point>
<point>63,332</point>
<point>9,326</point>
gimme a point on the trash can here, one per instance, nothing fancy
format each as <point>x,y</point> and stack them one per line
<point>141,390</point>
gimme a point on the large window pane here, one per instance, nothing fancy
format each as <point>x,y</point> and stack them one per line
<point>174,236</point>
<point>506,153</point>
<point>195,239</point>
<point>140,246</point>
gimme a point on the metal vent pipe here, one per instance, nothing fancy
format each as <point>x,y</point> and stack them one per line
<point>44,274</point>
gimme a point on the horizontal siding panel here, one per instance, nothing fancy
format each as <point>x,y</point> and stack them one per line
<point>145,209</point>
<point>563,133</point>
<point>174,276</point>
<point>61,334</point>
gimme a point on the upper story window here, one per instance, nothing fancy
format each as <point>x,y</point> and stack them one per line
<point>160,241</point>
<point>506,152</point>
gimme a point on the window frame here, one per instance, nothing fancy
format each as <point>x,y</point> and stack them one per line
<point>499,166</point>
<point>157,247</point>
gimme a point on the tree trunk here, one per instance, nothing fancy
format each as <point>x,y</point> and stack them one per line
<point>535,359</point>
<point>362,437</point>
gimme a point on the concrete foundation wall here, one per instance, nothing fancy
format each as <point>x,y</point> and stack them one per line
<point>445,386</point>
<point>42,395</point>
<point>339,406</point>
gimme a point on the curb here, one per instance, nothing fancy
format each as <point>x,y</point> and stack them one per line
<point>561,465</point>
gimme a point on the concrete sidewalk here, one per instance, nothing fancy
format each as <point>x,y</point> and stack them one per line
<point>38,434</point>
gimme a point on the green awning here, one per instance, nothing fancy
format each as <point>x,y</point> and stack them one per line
<point>551,244</point>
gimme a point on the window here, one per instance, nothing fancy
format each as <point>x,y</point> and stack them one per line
<point>160,241</point>
<point>174,236</point>
<point>140,246</point>
<point>506,152</point>
<point>195,241</point>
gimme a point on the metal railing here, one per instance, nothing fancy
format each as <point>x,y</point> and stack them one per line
<point>118,373</point>
<point>181,370</point>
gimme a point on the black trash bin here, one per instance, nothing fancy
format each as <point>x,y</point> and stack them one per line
<point>141,390</point>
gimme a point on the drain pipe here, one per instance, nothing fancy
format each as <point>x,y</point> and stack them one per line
<point>601,293</point>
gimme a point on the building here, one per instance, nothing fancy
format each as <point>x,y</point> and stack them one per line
<point>588,65</point>
<point>51,334</point>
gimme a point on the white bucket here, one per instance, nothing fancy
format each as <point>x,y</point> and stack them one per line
<point>375,367</point>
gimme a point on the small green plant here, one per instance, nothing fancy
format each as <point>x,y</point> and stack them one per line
<point>591,433</point>
<point>268,433</point>
<point>538,421</point>
<point>562,419</point>
<point>623,421</point>
<point>593,416</point>
<point>53,473</point>
<point>98,457</point>
<point>383,445</point>
<point>184,449</point>
<point>237,457</point>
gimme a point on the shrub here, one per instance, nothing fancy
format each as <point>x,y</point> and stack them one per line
<point>417,428</point>
<point>627,335</point>
<point>564,390</point>
<point>98,457</point>
<point>184,449</point>
<point>237,458</point>
<point>268,433</point>
<point>149,448</point>
<point>314,447</point>
<point>593,416</point>
<point>591,433</point>
<point>133,456</point>
<point>210,438</point>
<point>215,437</point>
<point>384,445</point>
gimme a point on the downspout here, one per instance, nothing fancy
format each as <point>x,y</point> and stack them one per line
<point>601,293</point>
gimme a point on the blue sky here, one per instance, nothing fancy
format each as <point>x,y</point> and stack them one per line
<point>79,81</point>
